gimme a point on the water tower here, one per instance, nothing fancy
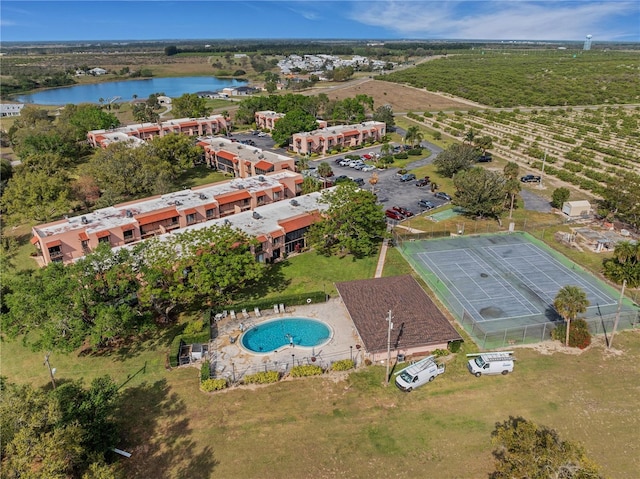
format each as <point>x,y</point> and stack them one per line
<point>587,43</point>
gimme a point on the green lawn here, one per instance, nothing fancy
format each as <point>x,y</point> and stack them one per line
<point>326,427</point>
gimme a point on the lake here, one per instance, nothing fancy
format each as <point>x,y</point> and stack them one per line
<point>124,90</point>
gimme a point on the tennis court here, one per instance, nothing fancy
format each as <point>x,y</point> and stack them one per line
<point>504,281</point>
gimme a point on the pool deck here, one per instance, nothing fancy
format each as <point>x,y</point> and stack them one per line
<point>231,359</point>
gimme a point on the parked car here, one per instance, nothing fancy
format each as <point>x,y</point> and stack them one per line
<point>407,177</point>
<point>426,204</point>
<point>345,162</point>
<point>443,196</point>
<point>338,160</point>
<point>262,134</point>
<point>486,158</point>
<point>355,163</point>
<point>359,166</point>
<point>530,179</point>
<point>423,182</point>
<point>340,179</point>
<point>358,181</point>
<point>394,215</point>
<point>366,168</point>
<point>402,211</point>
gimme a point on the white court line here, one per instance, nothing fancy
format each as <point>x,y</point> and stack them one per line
<point>424,257</point>
<point>505,286</point>
<point>559,267</point>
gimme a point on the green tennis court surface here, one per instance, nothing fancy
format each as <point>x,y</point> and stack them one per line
<point>505,281</point>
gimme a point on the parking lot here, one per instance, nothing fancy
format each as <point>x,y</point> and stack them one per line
<point>389,189</point>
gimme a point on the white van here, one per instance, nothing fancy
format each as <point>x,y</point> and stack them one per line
<point>491,363</point>
<point>419,373</point>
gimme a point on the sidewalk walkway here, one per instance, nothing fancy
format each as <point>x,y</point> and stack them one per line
<point>381,258</point>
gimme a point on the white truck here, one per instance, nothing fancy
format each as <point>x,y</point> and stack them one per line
<point>500,362</point>
<point>418,373</point>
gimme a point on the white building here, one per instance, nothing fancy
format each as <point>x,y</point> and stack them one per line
<point>10,109</point>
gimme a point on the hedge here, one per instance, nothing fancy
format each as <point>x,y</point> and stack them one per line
<point>180,339</point>
<point>343,365</point>
<point>289,300</point>
<point>205,372</point>
<point>213,385</point>
<point>306,370</point>
<point>265,377</point>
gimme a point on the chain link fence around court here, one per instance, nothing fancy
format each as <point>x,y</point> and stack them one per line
<point>535,333</point>
<point>408,245</point>
<point>460,225</point>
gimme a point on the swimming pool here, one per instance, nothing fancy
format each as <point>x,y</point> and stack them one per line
<point>273,335</point>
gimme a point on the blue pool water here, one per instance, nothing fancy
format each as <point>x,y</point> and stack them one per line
<point>272,335</point>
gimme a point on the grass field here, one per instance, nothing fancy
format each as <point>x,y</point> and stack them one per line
<point>352,426</point>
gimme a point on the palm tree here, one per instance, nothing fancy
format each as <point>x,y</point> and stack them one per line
<point>413,136</point>
<point>469,136</point>
<point>569,302</point>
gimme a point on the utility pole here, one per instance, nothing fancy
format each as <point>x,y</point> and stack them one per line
<point>615,323</point>
<point>51,371</point>
<point>542,170</point>
<point>386,382</point>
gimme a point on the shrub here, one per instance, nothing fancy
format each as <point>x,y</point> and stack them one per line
<point>415,152</point>
<point>174,351</point>
<point>343,365</point>
<point>306,370</point>
<point>559,196</point>
<point>367,362</point>
<point>210,385</point>
<point>401,156</point>
<point>194,327</point>
<point>440,352</point>
<point>579,335</point>
<point>265,377</point>
<point>204,371</point>
<point>454,346</point>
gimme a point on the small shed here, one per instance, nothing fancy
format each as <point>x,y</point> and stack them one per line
<point>196,351</point>
<point>575,209</point>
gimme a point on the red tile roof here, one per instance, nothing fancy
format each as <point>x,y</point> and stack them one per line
<point>226,155</point>
<point>53,244</point>
<point>298,222</point>
<point>156,216</point>
<point>35,240</point>
<point>83,236</point>
<point>350,132</point>
<point>103,234</point>
<point>234,196</point>
<point>264,165</point>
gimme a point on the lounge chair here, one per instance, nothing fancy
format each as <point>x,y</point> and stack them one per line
<point>245,315</point>
<point>275,309</point>
<point>257,311</point>
<point>225,313</point>
<point>233,339</point>
<point>233,314</point>
<point>281,308</point>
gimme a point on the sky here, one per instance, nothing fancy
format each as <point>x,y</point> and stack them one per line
<point>54,20</point>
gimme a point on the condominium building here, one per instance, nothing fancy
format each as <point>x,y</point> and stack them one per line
<point>323,140</point>
<point>68,239</point>
<point>242,160</point>
<point>267,119</point>
<point>138,132</point>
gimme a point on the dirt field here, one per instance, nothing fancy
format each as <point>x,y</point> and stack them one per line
<point>401,98</point>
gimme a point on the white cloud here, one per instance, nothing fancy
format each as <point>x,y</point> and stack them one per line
<point>500,20</point>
